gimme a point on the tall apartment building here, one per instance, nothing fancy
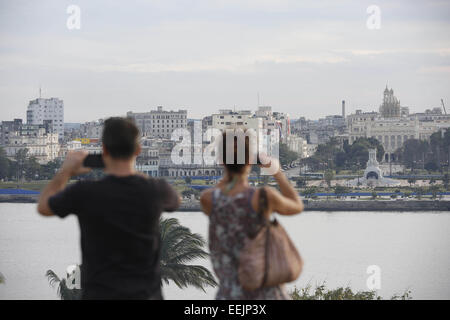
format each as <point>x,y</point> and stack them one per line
<point>50,111</point>
<point>159,123</point>
<point>7,128</point>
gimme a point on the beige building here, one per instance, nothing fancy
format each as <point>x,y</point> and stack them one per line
<point>275,121</point>
<point>263,118</point>
<point>44,146</point>
<point>241,119</point>
<point>159,123</point>
<point>298,145</point>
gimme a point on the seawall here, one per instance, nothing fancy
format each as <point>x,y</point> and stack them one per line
<point>359,205</point>
<point>378,205</point>
<point>310,205</point>
<point>19,198</point>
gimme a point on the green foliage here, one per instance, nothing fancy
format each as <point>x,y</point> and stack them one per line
<point>321,292</point>
<point>411,181</point>
<point>328,176</point>
<point>189,192</point>
<point>432,155</point>
<point>48,170</point>
<point>300,182</point>
<point>431,166</point>
<point>286,155</point>
<point>419,192</point>
<point>63,291</point>
<point>178,246</point>
<point>2,278</point>
<point>24,166</point>
<point>434,189</point>
<point>340,190</point>
<point>188,180</point>
<point>413,152</point>
<point>446,180</point>
<point>407,194</point>
<point>374,195</point>
<point>348,157</point>
<point>4,164</point>
<point>310,191</point>
<point>358,151</point>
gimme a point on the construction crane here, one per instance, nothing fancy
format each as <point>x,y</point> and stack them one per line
<point>443,107</point>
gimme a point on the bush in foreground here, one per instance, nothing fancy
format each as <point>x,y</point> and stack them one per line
<point>321,292</point>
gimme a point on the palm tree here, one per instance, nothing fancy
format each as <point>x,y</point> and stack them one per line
<point>178,246</point>
<point>64,292</point>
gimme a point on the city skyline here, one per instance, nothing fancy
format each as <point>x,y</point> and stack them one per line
<point>301,58</point>
<point>234,108</point>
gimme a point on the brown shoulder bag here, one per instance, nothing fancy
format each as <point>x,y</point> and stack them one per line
<point>268,258</point>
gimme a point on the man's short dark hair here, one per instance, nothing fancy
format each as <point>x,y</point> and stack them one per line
<point>120,137</point>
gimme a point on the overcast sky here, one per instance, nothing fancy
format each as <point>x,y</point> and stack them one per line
<point>303,57</point>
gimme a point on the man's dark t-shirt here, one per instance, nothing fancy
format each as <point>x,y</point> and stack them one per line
<point>119,223</point>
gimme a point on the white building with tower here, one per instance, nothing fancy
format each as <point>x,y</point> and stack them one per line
<point>393,125</point>
<point>41,111</point>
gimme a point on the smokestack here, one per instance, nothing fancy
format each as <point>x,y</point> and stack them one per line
<point>343,108</point>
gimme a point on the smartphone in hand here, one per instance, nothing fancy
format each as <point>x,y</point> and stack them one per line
<point>93,161</point>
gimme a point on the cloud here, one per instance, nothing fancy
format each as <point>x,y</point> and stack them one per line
<point>302,56</point>
<point>435,69</point>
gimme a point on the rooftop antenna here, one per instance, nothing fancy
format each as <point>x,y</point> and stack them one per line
<point>443,107</point>
<point>258,100</point>
<point>40,91</point>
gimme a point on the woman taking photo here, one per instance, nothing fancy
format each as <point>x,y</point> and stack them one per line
<point>233,210</point>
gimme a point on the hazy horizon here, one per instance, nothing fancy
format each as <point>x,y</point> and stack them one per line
<point>302,58</point>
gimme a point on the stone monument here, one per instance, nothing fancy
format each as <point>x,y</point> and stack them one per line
<point>373,176</point>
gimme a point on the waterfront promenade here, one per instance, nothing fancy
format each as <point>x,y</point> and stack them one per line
<point>400,204</point>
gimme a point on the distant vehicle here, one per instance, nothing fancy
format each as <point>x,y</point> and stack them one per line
<point>312,175</point>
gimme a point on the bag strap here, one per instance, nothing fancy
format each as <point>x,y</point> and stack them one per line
<point>263,206</point>
<point>266,257</point>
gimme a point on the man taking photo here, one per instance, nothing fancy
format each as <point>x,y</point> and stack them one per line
<point>118,217</point>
